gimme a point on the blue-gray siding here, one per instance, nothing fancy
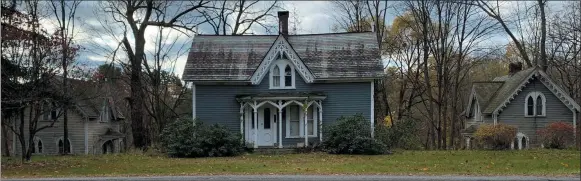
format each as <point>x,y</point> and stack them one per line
<point>217,103</point>
<point>513,114</point>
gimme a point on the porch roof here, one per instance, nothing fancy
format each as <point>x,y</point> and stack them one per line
<point>282,96</point>
<point>111,134</point>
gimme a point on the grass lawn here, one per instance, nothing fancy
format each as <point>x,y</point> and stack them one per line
<point>531,162</point>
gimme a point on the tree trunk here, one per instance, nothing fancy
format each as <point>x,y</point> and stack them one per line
<point>5,141</point>
<point>140,132</point>
<point>30,147</point>
<point>543,60</point>
<point>426,51</point>
<point>21,136</point>
<point>64,59</point>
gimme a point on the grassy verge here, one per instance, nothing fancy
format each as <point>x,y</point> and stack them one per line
<point>531,162</point>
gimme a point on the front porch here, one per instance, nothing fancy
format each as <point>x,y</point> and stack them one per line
<point>263,116</point>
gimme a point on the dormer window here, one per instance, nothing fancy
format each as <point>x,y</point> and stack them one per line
<point>276,76</point>
<point>106,114</point>
<point>288,78</point>
<point>49,111</point>
<point>282,75</point>
<point>535,104</point>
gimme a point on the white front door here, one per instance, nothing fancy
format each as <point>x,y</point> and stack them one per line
<point>266,126</point>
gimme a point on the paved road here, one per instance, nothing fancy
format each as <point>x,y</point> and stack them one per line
<point>309,178</point>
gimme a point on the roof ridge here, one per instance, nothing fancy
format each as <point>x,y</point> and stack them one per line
<point>288,35</point>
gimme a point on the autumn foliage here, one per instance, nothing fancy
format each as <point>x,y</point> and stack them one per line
<point>497,137</point>
<point>558,135</point>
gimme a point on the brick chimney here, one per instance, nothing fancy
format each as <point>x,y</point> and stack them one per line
<point>283,22</point>
<point>514,68</point>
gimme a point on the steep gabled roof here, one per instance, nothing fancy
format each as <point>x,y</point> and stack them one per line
<point>326,56</point>
<point>513,84</point>
<point>281,48</point>
<point>89,96</point>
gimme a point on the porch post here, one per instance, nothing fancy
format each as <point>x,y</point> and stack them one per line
<point>194,102</point>
<point>305,124</point>
<point>575,126</point>
<point>372,115</point>
<point>320,121</point>
<point>280,124</point>
<point>255,125</point>
<point>242,121</point>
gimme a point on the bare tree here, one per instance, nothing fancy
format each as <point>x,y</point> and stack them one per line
<point>66,23</point>
<point>238,17</point>
<point>136,16</point>
<point>164,91</point>
<point>351,16</point>
<point>493,11</point>
<point>32,58</point>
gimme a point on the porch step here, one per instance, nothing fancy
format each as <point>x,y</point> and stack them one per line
<point>274,151</point>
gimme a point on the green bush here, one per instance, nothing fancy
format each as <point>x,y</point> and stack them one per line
<point>496,137</point>
<point>351,135</point>
<point>402,135</point>
<point>182,139</point>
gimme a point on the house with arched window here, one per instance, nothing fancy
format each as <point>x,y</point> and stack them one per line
<point>280,90</point>
<point>527,99</point>
<point>93,123</point>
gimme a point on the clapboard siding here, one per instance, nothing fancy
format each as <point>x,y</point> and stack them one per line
<point>514,114</point>
<point>51,135</point>
<point>217,103</point>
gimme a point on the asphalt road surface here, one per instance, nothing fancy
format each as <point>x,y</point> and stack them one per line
<point>308,178</point>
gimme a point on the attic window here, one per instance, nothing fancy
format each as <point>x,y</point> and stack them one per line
<point>535,104</point>
<point>282,75</point>
<point>106,113</point>
<point>49,111</point>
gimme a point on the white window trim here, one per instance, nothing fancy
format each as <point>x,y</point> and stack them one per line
<point>315,121</point>
<point>36,140</point>
<point>477,112</point>
<point>48,113</point>
<point>70,145</point>
<point>105,114</point>
<point>535,95</point>
<point>519,137</point>
<point>301,122</point>
<point>281,64</point>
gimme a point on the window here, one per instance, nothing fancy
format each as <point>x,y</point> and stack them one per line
<point>311,121</point>
<point>477,112</point>
<point>266,118</point>
<point>530,106</point>
<point>282,75</point>
<point>295,126</point>
<point>37,145</point>
<point>288,78</point>
<point>535,104</point>
<point>276,76</point>
<point>539,106</point>
<point>48,111</point>
<point>61,146</point>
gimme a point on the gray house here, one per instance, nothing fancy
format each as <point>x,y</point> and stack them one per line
<point>281,90</point>
<point>527,99</point>
<point>93,123</point>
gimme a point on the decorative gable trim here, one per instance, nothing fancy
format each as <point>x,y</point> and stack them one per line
<point>471,97</point>
<point>279,48</point>
<point>554,88</point>
<point>558,91</point>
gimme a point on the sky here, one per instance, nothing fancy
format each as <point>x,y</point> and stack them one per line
<point>98,44</point>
